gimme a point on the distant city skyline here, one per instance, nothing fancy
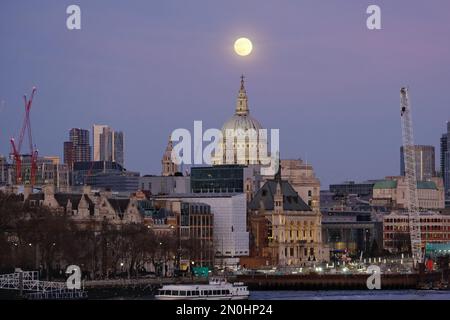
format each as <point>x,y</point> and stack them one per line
<point>330,85</point>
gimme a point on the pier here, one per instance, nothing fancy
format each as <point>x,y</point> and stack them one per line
<point>28,286</point>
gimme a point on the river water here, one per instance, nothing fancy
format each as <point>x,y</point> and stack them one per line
<point>352,295</point>
<point>340,295</point>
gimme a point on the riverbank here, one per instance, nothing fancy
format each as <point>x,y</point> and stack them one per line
<point>334,281</point>
<point>264,282</point>
<point>145,288</point>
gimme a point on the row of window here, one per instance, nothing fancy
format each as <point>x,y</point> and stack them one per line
<point>200,220</point>
<point>187,293</point>
<point>423,236</point>
<point>422,220</point>
<point>201,232</point>
<point>290,252</point>
<point>423,228</point>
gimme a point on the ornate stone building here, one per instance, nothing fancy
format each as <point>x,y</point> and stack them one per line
<point>241,142</point>
<point>392,192</point>
<point>285,231</point>
<point>169,168</point>
<point>88,208</point>
<point>302,178</point>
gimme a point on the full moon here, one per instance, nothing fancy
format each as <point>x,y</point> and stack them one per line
<point>243,46</point>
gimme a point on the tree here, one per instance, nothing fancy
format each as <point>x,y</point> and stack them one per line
<point>374,249</point>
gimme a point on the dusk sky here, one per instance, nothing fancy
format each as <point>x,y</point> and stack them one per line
<point>148,67</point>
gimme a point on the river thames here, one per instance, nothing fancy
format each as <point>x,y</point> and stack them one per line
<point>352,295</point>
<point>338,295</point>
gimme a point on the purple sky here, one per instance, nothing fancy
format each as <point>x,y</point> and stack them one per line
<point>147,67</point>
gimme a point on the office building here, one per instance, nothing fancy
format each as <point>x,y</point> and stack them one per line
<point>196,232</point>
<point>5,172</point>
<point>106,175</point>
<point>351,187</point>
<point>445,161</point>
<point>352,232</point>
<point>77,149</point>
<point>108,144</point>
<point>231,239</point>
<point>164,185</point>
<point>435,228</point>
<point>49,171</point>
<point>425,162</point>
<point>97,129</point>
<point>226,179</point>
<point>443,148</point>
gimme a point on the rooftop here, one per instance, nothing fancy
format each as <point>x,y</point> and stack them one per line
<point>265,195</point>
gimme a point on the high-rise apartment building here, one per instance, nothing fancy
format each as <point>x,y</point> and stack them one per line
<point>425,162</point>
<point>77,149</point>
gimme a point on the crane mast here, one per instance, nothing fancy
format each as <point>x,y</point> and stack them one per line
<point>412,203</point>
<point>16,148</point>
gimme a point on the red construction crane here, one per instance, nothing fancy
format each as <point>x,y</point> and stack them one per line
<point>32,149</point>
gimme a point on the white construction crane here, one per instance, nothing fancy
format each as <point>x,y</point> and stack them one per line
<point>412,202</point>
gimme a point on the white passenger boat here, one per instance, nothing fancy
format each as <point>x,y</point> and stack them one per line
<point>217,289</point>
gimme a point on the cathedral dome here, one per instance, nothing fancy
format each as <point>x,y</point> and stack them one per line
<point>244,122</point>
<point>241,136</point>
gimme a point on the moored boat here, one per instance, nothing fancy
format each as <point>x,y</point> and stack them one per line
<point>217,289</point>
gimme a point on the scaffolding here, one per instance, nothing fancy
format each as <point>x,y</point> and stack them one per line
<point>30,287</point>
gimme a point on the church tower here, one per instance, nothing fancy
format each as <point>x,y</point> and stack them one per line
<point>169,168</point>
<point>242,100</point>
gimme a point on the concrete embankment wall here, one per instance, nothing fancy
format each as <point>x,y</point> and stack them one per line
<point>326,281</point>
